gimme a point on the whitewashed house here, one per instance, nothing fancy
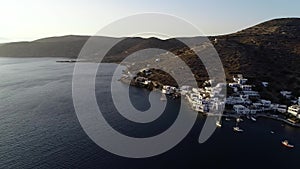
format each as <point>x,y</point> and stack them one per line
<point>282,108</point>
<point>201,107</point>
<point>240,109</point>
<point>196,96</point>
<point>265,84</point>
<point>239,79</point>
<point>294,101</point>
<point>196,90</point>
<point>216,104</point>
<point>286,94</point>
<point>185,89</point>
<point>251,93</point>
<point>216,91</point>
<point>233,85</point>
<point>242,81</point>
<point>197,102</point>
<point>236,77</point>
<point>266,103</point>
<point>294,110</point>
<point>231,100</point>
<point>146,71</point>
<point>168,89</point>
<point>246,87</point>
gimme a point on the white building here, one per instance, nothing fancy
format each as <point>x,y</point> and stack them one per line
<point>196,90</point>
<point>266,103</point>
<point>200,107</point>
<point>294,110</point>
<point>234,100</point>
<point>233,85</point>
<point>282,108</point>
<point>197,102</point>
<point>242,99</point>
<point>251,93</point>
<point>195,96</point>
<point>286,94</point>
<point>216,105</point>
<point>185,89</point>
<point>239,79</point>
<point>236,77</point>
<point>168,89</point>
<point>265,84</point>
<point>146,71</point>
<point>240,109</point>
<point>242,81</point>
<point>246,87</point>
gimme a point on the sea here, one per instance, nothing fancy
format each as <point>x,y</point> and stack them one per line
<point>39,127</point>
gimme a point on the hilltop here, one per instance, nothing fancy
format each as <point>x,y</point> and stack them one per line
<point>269,51</point>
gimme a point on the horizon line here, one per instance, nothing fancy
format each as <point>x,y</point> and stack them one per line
<point>147,37</point>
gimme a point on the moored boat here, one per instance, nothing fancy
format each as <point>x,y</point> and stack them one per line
<point>239,119</point>
<point>286,143</point>
<point>237,129</point>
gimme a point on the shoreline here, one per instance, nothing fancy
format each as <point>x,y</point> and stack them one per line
<point>236,115</point>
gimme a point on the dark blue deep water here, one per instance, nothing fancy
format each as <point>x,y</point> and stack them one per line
<point>39,128</point>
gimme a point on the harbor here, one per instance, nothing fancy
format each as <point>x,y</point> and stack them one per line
<point>211,99</point>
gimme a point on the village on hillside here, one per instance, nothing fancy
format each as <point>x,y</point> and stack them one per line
<point>243,101</point>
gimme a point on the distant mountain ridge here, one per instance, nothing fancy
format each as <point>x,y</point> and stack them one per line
<point>70,45</point>
<point>265,51</point>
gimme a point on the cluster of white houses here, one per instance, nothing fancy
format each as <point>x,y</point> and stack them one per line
<point>202,99</point>
<point>205,99</point>
<point>244,99</point>
<point>243,96</point>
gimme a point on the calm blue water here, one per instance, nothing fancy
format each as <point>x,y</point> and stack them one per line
<point>39,128</point>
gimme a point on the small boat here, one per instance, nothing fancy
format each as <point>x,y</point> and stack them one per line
<point>218,124</point>
<point>227,119</point>
<point>272,132</point>
<point>239,119</point>
<point>253,119</point>
<point>286,143</point>
<point>237,129</point>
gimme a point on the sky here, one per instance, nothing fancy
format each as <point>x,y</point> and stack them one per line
<point>33,19</point>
